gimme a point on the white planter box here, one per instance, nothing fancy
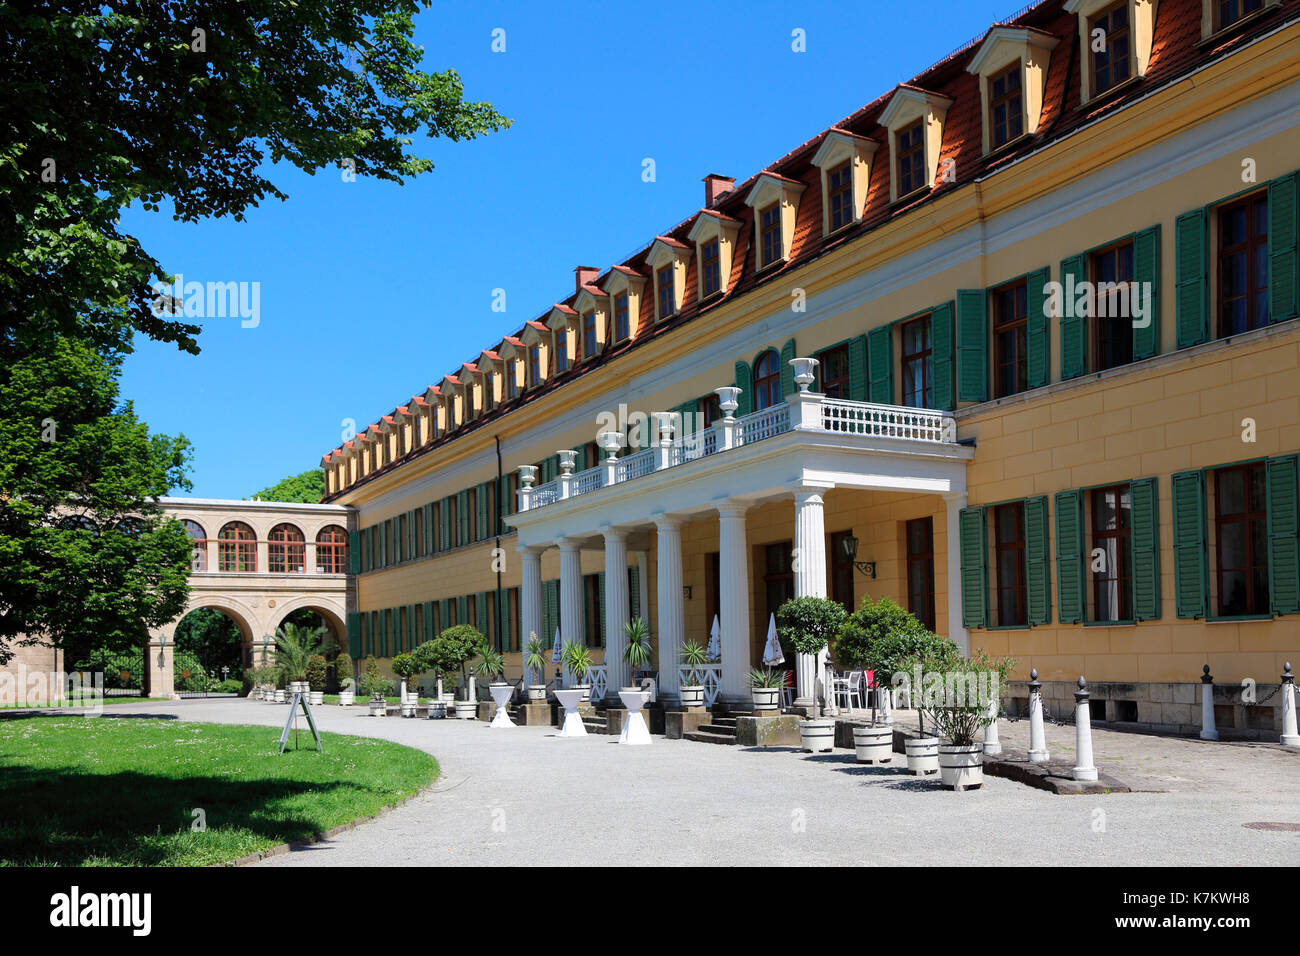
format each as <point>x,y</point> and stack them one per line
<point>874,744</point>
<point>922,755</point>
<point>316,697</point>
<point>537,693</point>
<point>466,710</point>
<point>378,708</point>
<point>692,696</point>
<point>346,698</point>
<point>766,699</point>
<point>961,768</point>
<point>817,736</point>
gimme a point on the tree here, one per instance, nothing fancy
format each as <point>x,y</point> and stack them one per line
<point>213,638</point>
<point>109,103</point>
<point>307,488</point>
<point>87,558</point>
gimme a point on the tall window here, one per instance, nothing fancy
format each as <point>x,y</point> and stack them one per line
<point>512,379</point>
<point>287,550</point>
<point>1110,558</point>
<point>1228,12</point>
<point>489,391</point>
<point>710,409</point>
<point>841,571</point>
<point>918,364</point>
<point>767,380</point>
<point>332,550</point>
<point>561,350</point>
<point>1243,265</point>
<point>778,576</point>
<point>911,158</point>
<point>534,365</point>
<point>1109,53</point>
<point>236,548</point>
<point>589,341</point>
<point>920,569</point>
<point>664,284</point>
<point>834,371</point>
<point>1009,564</point>
<point>769,234</point>
<point>593,608</point>
<point>839,195</point>
<point>710,268</point>
<point>1112,333</point>
<point>622,325</point>
<point>1010,338</point>
<point>1241,539</point>
<point>1006,106</point>
<point>199,538</point>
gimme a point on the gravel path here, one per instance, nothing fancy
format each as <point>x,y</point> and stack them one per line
<point>523,795</point>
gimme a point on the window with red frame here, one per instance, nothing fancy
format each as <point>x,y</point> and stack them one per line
<point>236,548</point>
<point>199,561</point>
<point>767,380</point>
<point>1243,265</point>
<point>1010,338</point>
<point>911,158</point>
<point>1006,106</point>
<point>286,550</point>
<point>664,284</point>
<point>332,550</point>
<point>833,369</point>
<point>561,362</point>
<point>534,366</point>
<point>710,268</point>
<point>1112,587</point>
<point>589,340</point>
<point>1110,65</point>
<point>769,234</point>
<point>920,569</point>
<point>1241,539</point>
<point>839,195</point>
<point>1009,564</point>
<point>917,364</point>
<point>622,324</point>
<point>1228,12</point>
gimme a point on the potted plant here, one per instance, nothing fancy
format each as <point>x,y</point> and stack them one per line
<point>343,674</point>
<point>317,671</point>
<point>377,687</point>
<point>294,647</point>
<point>694,656</point>
<point>535,662</point>
<point>492,664</point>
<point>957,700</point>
<point>406,667</point>
<point>637,652</point>
<point>450,652</point>
<point>765,687</point>
<point>808,624</point>
<point>578,662</point>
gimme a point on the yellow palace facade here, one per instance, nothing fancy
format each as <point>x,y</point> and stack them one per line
<point>1015,345</point>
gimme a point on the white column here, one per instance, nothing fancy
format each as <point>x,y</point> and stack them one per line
<point>571,629</point>
<point>809,581</point>
<point>617,610</point>
<point>956,630</point>
<point>530,602</point>
<point>1208,730</point>
<point>733,600</point>
<point>669,603</point>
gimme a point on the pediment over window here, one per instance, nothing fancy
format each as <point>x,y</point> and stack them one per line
<point>713,265</point>
<point>841,152</point>
<point>915,117</point>
<point>561,316</point>
<point>668,253</point>
<point>1115,38</point>
<point>775,201</point>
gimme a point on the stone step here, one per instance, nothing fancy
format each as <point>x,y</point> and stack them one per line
<point>717,728</point>
<point>724,721</point>
<point>704,737</point>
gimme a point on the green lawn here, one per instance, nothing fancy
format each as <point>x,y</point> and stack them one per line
<point>108,791</point>
<point>107,702</point>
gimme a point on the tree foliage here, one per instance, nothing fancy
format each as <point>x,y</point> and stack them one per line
<point>306,488</point>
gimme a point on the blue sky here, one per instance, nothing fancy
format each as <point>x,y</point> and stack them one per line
<point>371,291</point>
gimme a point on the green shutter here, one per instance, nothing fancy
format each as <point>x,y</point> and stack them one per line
<point>354,551</point>
<point>942,357</point>
<point>481,614</point>
<point>858,369</point>
<point>482,511</point>
<point>1284,533</point>
<point>1191,573</point>
<point>463,517</point>
<point>1070,562</point>
<point>880,365</point>
<point>503,620</point>
<point>1145,541</point>
<point>430,628</point>
<point>1146,271</point>
<point>974,569</point>
<point>381,554</point>
<point>1192,285</point>
<point>354,635</point>
<point>1038,569</point>
<point>444,614</point>
<point>588,625</point>
<point>972,346</point>
<point>1283,260</point>
<point>686,421</point>
<point>787,371</point>
<point>1074,328</point>
<point>745,382</point>
<point>550,612</point>
<point>462,609</point>
<point>600,607</point>
<point>1038,328</point>
<point>503,496</point>
<point>430,533</point>
<point>634,592</point>
<point>444,524</point>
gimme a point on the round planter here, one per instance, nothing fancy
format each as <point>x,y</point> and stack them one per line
<point>766,699</point>
<point>346,697</point>
<point>922,755</point>
<point>316,697</point>
<point>437,710</point>
<point>692,696</point>
<point>961,768</point>
<point>874,744</point>
<point>816,736</point>
<point>536,693</point>
<point>280,698</point>
<point>379,708</point>
<point>299,687</point>
<point>408,707</point>
<point>466,710</point>
<point>585,690</point>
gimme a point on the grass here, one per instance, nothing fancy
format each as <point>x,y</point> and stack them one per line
<point>360,701</point>
<point>123,791</point>
<point>90,702</point>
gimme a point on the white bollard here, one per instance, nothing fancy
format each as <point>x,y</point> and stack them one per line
<point>886,717</point>
<point>1037,741</point>
<point>1290,735</point>
<point>992,746</point>
<point>1083,770</point>
<point>1208,730</point>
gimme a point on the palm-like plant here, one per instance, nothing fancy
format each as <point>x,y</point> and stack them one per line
<point>577,660</point>
<point>294,647</point>
<point>491,662</point>
<point>637,652</point>
<point>535,660</point>
<point>694,656</point>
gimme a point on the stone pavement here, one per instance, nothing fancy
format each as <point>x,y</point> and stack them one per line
<point>523,795</point>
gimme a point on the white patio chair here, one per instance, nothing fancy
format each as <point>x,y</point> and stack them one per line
<point>840,685</point>
<point>853,697</point>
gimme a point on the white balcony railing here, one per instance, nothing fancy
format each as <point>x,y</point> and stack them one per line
<point>810,412</point>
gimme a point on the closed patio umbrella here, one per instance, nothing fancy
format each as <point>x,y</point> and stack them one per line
<point>772,654</point>
<point>714,651</point>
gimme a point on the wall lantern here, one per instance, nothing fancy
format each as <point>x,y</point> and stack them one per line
<point>850,544</point>
<point>686,591</point>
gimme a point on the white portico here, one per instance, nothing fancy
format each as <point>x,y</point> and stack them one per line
<point>799,450</point>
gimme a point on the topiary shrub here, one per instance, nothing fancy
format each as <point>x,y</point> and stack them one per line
<point>451,651</point>
<point>373,682</point>
<point>317,671</point>
<point>808,624</point>
<point>343,671</point>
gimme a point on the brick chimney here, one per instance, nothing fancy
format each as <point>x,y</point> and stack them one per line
<point>716,186</point>
<point>583,275</point>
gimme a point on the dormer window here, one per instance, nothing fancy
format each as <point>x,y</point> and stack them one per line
<point>844,159</point>
<point>590,338</point>
<point>534,366</point>
<point>669,260</point>
<point>1006,107</point>
<point>710,269</point>
<point>1220,15</point>
<point>775,201</point>
<point>911,158</point>
<point>622,325</point>
<point>1011,64</point>
<point>915,120</point>
<point>1114,42</point>
<point>512,380</point>
<point>561,350</point>
<point>714,236</point>
<point>625,287</point>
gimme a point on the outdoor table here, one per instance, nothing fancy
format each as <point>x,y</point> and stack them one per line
<point>501,694</point>
<point>573,725</point>
<point>634,728</point>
